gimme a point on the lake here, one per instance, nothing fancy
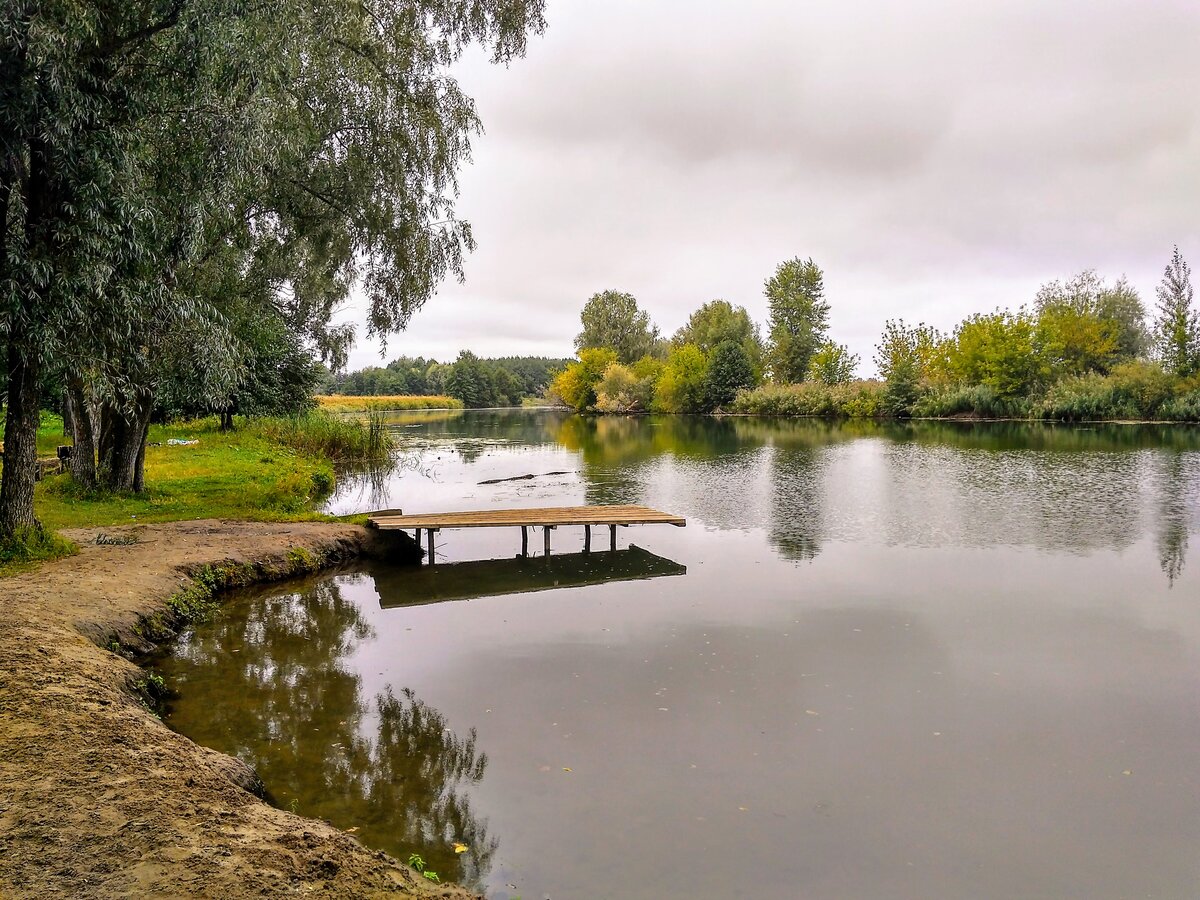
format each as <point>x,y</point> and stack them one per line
<point>915,660</point>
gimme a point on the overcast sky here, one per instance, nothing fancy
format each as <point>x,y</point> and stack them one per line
<point>935,157</point>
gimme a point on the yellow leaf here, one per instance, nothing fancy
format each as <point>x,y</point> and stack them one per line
<point>352,830</point>
<point>566,768</point>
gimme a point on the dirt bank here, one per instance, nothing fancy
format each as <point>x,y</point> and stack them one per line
<point>99,799</point>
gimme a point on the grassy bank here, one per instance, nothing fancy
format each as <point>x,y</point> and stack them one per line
<point>265,470</point>
<point>340,403</point>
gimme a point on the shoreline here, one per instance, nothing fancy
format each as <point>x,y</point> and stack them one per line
<point>100,799</point>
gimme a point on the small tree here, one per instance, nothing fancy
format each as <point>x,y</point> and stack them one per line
<point>575,386</point>
<point>729,371</point>
<point>833,364</point>
<point>903,356</point>
<point>613,319</point>
<point>799,318</point>
<point>1177,326</point>
<point>681,385</point>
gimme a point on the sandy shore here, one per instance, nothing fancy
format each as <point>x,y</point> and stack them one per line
<point>99,799</point>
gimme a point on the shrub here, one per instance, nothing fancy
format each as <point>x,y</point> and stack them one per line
<point>969,400</point>
<point>1134,390</point>
<point>859,399</point>
<point>575,386</point>
<point>681,386</point>
<point>621,391</point>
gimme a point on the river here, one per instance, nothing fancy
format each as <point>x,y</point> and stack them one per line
<point>882,660</point>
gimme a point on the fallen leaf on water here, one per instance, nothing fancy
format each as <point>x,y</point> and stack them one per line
<point>566,768</point>
<point>352,830</point>
<point>1127,772</point>
<point>811,712</point>
<point>460,847</point>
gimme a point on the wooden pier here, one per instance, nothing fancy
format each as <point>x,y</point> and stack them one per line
<point>546,518</point>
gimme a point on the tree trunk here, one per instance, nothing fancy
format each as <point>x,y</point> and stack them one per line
<point>123,444</point>
<point>83,429</point>
<point>20,442</point>
<point>227,419</point>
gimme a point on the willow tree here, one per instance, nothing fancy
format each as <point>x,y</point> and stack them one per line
<point>309,146</point>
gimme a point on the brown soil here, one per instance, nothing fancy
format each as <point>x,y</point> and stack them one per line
<point>99,799</point>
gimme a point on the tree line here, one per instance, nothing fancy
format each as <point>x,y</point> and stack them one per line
<point>190,188</point>
<point>478,383</point>
<point>1085,348</point>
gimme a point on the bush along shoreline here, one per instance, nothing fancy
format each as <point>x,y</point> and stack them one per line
<point>1133,392</point>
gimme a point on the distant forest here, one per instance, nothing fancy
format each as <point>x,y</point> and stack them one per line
<point>478,383</point>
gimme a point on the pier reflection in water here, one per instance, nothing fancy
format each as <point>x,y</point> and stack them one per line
<point>410,586</point>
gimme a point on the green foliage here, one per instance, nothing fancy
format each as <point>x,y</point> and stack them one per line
<point>903,357</point>
<point>613,320</point>
<point>575,386</point>
<point>998,350</point>
<point>504,381</point>
<point>799,318</point>
<point>1118,307</point>
<point>681,387</point>
<point>832,364</point>
<point>1135,390</point>
<point>1071,341</point>
<point>977,400</point>
<point>621,390</point>
<point>719,321</point>
<point>1177,326</point>
<point>854,400</point>
<point>27,547</point>
<point>730,370</point>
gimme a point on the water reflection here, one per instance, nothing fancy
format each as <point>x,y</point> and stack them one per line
<point>522,575</point>
<point>293,706</point>
<point>812,483</point>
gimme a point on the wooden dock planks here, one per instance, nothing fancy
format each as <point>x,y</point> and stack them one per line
<point>539,518</point>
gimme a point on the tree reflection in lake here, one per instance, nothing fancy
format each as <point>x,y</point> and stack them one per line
<point>1179,492</point>
<point>293,707</point>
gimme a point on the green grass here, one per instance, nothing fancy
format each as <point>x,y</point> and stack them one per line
<point>34,546</point>
<point>243,474</point>
<point>266,470</point>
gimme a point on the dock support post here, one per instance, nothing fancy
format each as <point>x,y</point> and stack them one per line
<point>546,534</point>
<point>587,538</point>
<point>418,537</point>
<point>429,532</point>
<point>612,537</point>
<point>524,540</point>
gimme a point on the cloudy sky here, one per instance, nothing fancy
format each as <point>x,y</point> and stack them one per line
<point>935,157</point>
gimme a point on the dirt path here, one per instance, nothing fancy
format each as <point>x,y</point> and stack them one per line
<point>99,799</point>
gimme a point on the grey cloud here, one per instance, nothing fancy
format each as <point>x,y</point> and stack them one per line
<point>935,157</point>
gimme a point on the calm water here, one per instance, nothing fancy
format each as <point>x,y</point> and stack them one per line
<point>936,661</point>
